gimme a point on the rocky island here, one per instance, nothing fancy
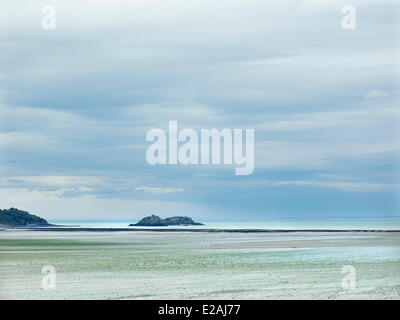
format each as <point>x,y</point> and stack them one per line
<point>18,218</point>
<point>156,221</point>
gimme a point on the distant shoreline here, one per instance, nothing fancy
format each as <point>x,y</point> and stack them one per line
<point>150,229</point>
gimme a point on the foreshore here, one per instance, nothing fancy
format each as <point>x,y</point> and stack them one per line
<point>151,229</point>
<point>106,263</point>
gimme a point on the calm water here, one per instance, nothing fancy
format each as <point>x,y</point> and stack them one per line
<point>384,224</point>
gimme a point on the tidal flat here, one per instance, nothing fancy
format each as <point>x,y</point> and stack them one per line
<point>200,265</point>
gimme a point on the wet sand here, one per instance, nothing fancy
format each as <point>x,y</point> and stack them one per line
<point>199,265</point>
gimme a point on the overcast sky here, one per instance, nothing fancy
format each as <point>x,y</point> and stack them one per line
<point>76,103</point>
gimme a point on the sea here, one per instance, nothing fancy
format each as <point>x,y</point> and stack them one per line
<point>381,223</point>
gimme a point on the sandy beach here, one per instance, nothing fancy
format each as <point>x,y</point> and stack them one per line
<point>199,265</point>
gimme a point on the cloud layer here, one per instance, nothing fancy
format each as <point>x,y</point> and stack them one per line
<point>76,103</point>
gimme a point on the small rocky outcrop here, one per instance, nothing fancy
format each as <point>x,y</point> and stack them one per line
<point>176,221</point>
<point>156,221</point>
<point>152,220</point>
